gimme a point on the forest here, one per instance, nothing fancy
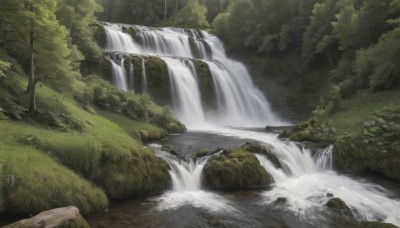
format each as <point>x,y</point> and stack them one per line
<point>200,113</point>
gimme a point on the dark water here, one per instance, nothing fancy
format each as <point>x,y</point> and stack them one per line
<point>251,213</point>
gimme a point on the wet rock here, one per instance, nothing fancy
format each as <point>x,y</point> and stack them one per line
<point>264,149</point>
<point>56,218</point>
<point>336,204</point>
<point>374,224</point>
<point>281,200</point>
<point>235,169</point>
<point>276,129</point>
<point>329,194</point>
<point>171,150</point>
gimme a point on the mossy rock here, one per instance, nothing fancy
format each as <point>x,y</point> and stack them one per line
<point>146,135</point>
<point>259,148</point>
<point>202,152</point>
<point>137,175</point>
<point>374,224</point>
<point>206,85</point>
<point>235,169</point>
<point>337,204</point>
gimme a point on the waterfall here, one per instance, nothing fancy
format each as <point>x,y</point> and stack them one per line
<point>144,76</point>
<point>119,78</point>
<point>118,41</point>
<point>131,77</point>
<point>240,103</point>
<point>186,186</point>
<point>185,91</point>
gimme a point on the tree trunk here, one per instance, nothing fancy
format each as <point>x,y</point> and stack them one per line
<point>165,9</point>
<point>32,80</point>
<point>176,8</point>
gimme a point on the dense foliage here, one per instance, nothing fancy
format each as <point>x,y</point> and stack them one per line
<point>354,42</point>
<point>180,13</point>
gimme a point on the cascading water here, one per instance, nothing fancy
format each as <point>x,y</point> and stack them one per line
<point>240,103</point>
<point>303,179</point>
<point>185,93</point>
<point>144,76</point>
<point>119,78</point>
<point>186,187</point>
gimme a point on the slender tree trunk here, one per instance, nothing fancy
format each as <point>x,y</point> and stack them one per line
<point>165,9</point>
<point>32,80</point>
<point>176,8</point>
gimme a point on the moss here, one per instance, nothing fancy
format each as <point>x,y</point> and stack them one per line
<point>258,148</point>
<point>234,169</point>
<point>134,175</point>
<point>206,85</point>
<point>202,152</point>
<point>337,203</point>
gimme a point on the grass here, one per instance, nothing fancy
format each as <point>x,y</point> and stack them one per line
<point>35,182</point>
<point>44,168</point>
<point>359,108</point>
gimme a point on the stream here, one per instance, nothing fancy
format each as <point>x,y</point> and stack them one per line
<point>304,182</point>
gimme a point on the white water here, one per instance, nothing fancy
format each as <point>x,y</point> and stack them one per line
<point>119,78</point>
<point>186,187</point>
<point>144,76</point>
<point>131,76</point>
<point>240,103</point>
<point>185,91</point>
<point>305,181</point>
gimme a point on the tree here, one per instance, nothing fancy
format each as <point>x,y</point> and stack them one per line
<point>319,35</point>
<point>193,15</point>
<point>4,67</point>
<point>33,24</point>
<point>77,16</point>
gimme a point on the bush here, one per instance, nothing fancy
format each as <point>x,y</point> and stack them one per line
<point>377,66</point>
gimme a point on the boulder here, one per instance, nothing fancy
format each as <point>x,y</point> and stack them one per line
<point>259,148</point>
<point>56,218</point>
<point>281,200</point>
<point>235,169</point>
<point>337,204</point>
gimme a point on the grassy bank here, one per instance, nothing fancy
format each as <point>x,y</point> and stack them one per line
<point>75,153</point>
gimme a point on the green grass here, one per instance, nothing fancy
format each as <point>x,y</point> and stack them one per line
<point>35,182</point>
<point>359,108</point>
<point>43,168</point>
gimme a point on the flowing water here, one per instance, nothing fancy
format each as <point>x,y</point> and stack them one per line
<point>239,102</point>
<point>304,177</point>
